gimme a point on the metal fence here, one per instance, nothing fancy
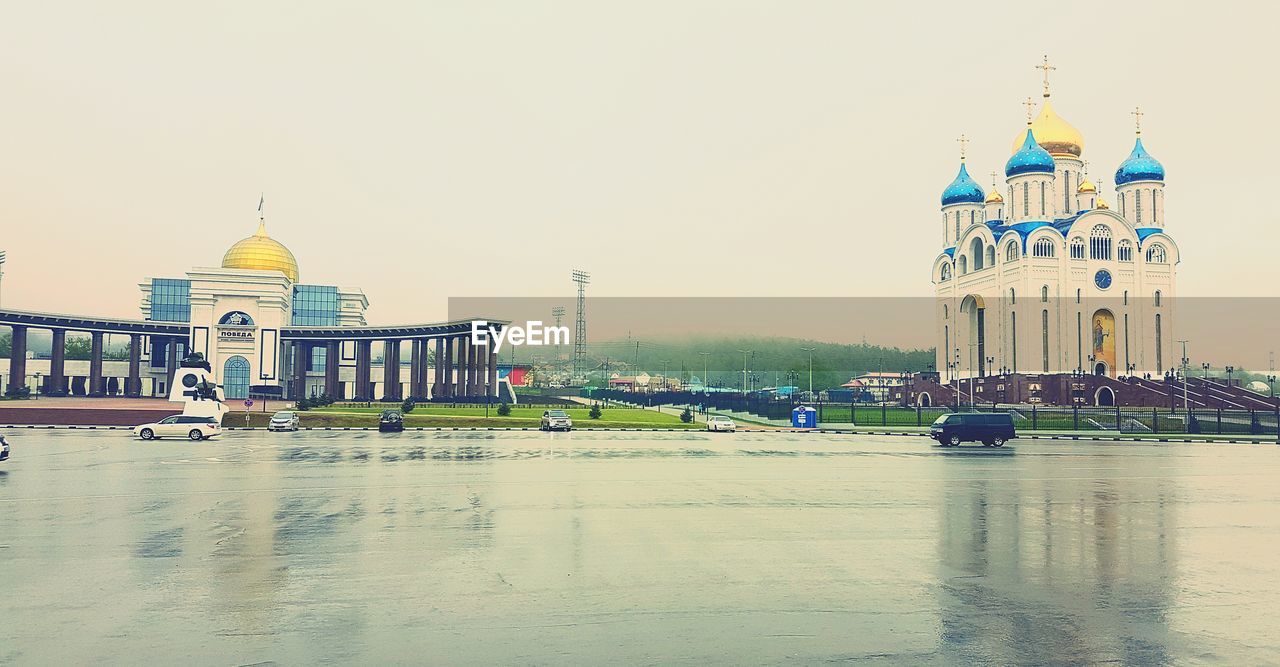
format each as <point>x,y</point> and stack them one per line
<point>1131,420</point>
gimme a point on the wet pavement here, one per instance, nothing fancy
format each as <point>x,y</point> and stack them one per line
<point>631,547</point>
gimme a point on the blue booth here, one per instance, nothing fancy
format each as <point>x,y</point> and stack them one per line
<point>804,417</point>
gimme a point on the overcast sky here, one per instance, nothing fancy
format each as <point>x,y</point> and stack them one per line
<point>422,150</point>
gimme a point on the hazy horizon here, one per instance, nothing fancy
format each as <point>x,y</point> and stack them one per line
<point>421,152</point>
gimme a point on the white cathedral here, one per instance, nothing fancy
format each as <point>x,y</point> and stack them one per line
<point>1046,277</point>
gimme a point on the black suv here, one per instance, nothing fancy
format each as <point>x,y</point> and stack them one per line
<point>992,429</point>
<point>390,421</point>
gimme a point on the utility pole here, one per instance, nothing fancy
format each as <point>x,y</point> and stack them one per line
<point>1184,374</point>
<point>744,370</point>
<point>705,382</point>
<point>665,384</point>
<point>810,351</point>
<point>581,278</point>
<point>558,313</point>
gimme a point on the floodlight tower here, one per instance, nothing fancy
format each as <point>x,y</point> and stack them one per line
<point>558,313</point>
<point>580,326</point>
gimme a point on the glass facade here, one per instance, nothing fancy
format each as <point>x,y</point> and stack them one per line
<point>170,300</point>
<point>315,306</point>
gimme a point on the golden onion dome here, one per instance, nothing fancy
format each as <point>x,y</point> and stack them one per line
<point>1102,204</point>
<point>1053,134</point>
<point>1087,187</point>
<point>261,253</point>
<point>994,197</point>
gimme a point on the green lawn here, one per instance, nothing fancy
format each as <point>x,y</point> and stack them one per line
<point>445,416</point>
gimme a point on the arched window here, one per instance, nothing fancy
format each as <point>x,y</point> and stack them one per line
<point>1044,338</point>
<point>235,378</point>
<point>1124,250</point>
<point>1123,212</point>
<point>1011,251</point>
<point>1044,294</point>
<point>1137,207</point>
<point>1100,242</point>
<point>945,273</point>
<point>1126,298</point>
<point>1155,298</point>
<point>946,312</point>
<point>1042,248</point>
<point>964,264</point>
<point>971,219</point>
<point>1026,200</point>
<point>1077,248</point>
<point>957,237</point>
<point>1042,199</point>
<point>991,256</point>
<point>1156,254</point>
<point>1013,297</point>
<point>1155,208</point>
<point>1159,337</point>
<point>977,253</point>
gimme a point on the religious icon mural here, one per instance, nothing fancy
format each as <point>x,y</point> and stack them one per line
<point>1104,343</point>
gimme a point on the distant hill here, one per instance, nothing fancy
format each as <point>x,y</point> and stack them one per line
<point>772,361</point>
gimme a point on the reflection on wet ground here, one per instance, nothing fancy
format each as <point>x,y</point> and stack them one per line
<point>586,548</point>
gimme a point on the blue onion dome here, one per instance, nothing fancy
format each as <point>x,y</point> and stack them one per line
<point>963,190</point>
<point>1139,166</point>
<point>1030,159</point>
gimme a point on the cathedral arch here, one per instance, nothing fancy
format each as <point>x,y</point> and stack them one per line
<point>991,256</point>
<point>1105,396</point>
<point>1124,251</point>
<point>963,263</point>
<point>1156,254</point>
<point>944,273</point>
<point>1042,248</point>
<point>1011,251</point>
<point>976,252</point>
<point>1044,294</point>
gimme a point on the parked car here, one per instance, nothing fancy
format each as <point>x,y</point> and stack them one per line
<point>391,420</point>
<point>4,448</point>
<point>285,420</point>
<point>720,423</point>
<point>180,426</point>
<point>556,420</point>
<point>992,429</point>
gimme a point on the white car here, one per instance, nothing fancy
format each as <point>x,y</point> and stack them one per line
<point>556,420</point>
<point>4,448</point>
<point>180,426</point>
<point>284,420</point>
<point>720,423</point>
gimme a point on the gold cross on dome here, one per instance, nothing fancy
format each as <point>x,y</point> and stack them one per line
<point>1046,68</point>
<point>1137,119</point>
<point>1029,104</point>
<point>963,141</point>
<point>993,179</point>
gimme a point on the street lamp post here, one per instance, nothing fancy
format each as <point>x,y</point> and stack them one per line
<point>1230,370</point>
<point>744,370</point>
<point>810,351</point>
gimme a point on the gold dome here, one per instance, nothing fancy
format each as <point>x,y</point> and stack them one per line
<point>261,253</point>
<point>1087,187</point>
<point>1053,134</point>
<point>994,197</point>
<point>1102,204</point>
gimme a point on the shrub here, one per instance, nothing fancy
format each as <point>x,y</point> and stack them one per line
<point>504,410</point>
<point>303,405</point>
<point>408,406</point>
<point>686,416</point>
<point>595,411</point>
